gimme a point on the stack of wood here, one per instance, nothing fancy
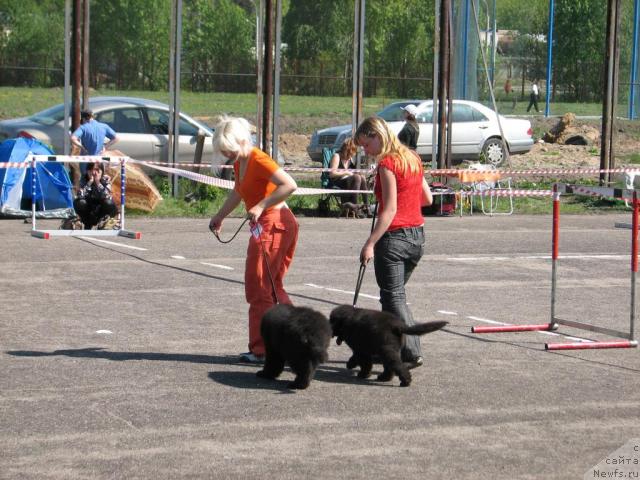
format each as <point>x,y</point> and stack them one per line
<point>567,133</point>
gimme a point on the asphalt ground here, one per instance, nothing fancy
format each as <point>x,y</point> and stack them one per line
<point>119,357</point>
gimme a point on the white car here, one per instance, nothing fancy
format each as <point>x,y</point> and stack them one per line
<point>475,132</point>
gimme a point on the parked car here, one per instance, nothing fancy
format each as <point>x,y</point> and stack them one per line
<point>475,132</point>
<point>142,127</point>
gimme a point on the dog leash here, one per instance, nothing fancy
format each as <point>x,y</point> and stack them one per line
<point>363,266</point>
<point>256,231</point>
<point>234,235</point>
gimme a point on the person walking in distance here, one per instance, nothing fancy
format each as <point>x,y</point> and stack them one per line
<point>533,97</point>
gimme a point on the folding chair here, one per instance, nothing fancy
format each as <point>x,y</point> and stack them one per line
<point>488,180</point>
<point>324,203</point>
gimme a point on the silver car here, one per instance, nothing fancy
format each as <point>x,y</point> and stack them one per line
<point>141,126</point>
<point>475,132</point>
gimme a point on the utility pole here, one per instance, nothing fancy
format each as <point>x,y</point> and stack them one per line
<point>444,81</point>
<point>612,63</point>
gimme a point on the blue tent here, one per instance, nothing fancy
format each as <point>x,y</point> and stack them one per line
<point>53,197</point>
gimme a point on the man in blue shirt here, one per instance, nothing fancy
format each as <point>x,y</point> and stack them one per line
<point>89,140</point>
<point>89,137</point>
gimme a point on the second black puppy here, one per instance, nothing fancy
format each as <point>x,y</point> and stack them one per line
<point>298,336</point>
<point>371,332</point>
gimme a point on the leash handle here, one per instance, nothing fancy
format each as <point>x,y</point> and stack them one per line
<point>234,235</point>
<point>363,266</point>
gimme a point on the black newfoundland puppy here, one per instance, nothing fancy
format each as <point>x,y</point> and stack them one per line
<point>371,332</point>
<point>298,336</point>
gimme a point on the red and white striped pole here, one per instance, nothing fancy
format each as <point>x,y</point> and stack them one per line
<point>554,257</point>
<point>631,343</point>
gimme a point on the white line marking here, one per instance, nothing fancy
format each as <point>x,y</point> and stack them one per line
<point>94,239</point>
<point>445,312</point>
<point>223,267</point>
<point>539,257</point>
<point>486,320</point>
<point>313,285</point>
<point>178,257</point>
<point>106,332</point>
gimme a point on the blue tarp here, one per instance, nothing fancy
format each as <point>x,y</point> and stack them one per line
<point>53,189</point>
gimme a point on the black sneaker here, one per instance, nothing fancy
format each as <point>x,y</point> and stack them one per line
<point>249,357</point>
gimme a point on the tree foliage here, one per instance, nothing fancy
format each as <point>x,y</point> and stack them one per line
<point>129,44</point>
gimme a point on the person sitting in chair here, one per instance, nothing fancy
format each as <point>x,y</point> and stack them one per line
<point>94,203</point>
<point>341,161</point>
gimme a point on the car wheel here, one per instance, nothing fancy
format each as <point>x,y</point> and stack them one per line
<point>493,152</point>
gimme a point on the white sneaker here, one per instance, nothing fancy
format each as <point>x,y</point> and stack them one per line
<point>249,357</point>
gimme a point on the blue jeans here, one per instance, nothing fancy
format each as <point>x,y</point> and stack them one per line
<point>395,256</point>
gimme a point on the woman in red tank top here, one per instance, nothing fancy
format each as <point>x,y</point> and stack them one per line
<point>396,243</point>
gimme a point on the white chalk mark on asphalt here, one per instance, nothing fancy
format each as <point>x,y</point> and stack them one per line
<point>105,332</point>
<point>223,267</point>
<point>178,257</point>
<point>329,289</point>
<point>446,312</point>
<point>93,239</point>
<point>540,257</point>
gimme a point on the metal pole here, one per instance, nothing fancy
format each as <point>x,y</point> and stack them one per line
<point>67,75</point>
<point>174,89</point>
<point>547,108</point>
<point>77,55</point>
<point>436,76</point>
<point>85,54</point>
<point>123,183</point>
<point>443,80</point>
<point>268,75</point>
<point>276,76</point>
<point>465,40</point>
<point>610,89</point>
<point>634,60</point>
<point>33,193</point>
<point>358,68</point>
<point>555,246</point>
<point>634,265</point>
<point>494,41</point>
<point>259,69</point>
<point>358,64</point>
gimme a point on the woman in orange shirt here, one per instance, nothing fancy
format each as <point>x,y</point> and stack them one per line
<point>263,187</point>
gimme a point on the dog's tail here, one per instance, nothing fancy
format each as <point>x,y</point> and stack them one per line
<point>423,328</point>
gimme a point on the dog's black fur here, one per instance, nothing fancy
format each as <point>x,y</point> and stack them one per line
<point>298,336</point>
<point>371,332</point>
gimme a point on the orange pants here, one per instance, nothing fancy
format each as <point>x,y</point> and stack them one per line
<point>279,238</point>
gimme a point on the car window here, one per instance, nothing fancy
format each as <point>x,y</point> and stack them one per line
<point>50,116</point>
<point>426,116</point>
<point>462,113</point>
<point>159,121</point>
<point>393,113</point>
<point>479,116</point>
<point>123,120</point>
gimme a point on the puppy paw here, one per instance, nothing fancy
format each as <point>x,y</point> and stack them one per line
<point>364,374</point>
<point>297,386</point>
<point>385,376</point>
<point>352,363</point>
<point>263,374</point>
<point>405,383</point>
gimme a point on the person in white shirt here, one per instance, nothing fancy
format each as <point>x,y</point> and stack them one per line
<point>533,97</point>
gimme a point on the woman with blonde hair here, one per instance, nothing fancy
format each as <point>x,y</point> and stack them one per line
<point>340,175</point>
<point>396,242</point>
<point>263,187</point>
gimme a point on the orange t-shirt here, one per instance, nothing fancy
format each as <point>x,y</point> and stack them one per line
<point>256,184</point>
